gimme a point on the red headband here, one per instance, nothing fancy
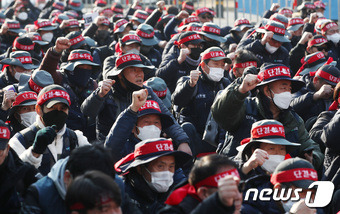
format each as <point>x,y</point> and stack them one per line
<point>212,181</point>
<point>118,10</point>
<point>77,39</point>
<point>286,11</point>
<point>274,29</point>
<point>37,38</point>
<point>241,22</point>
<point>141,16</point>
<point>245,64</point>
<point>73,22</point>
<point>130,37</point>
<point>317,41</point>
<point>53,94</point>
<point>191,19</point>
<point>319,4</point>
<point>25,96</point>
<point>211,30</point>
<point>145,35</point>
<point>192,28</point>
<point>13,25</point>
<point>295,21</point>
<point>150,104</point>
<point>120,23</point>
<point>4,133</point>
<point>310,6</point>
<point>25,59</point>
<point>274,72</point>
<point>268,131</point>
<point>314,58</point>
<point>161,94</point>
<point>106,10</point>
<point>294,175</point>
<point>127,58</point>
<point>42,24</point>
<point>34,86</point>
<point>278,20</point>
<point>80,56</point>
<point>327,76</point>
<point>204,10</point>
<point>186,6</point>
<point>23,47</point>
<point>213,54</point>
<point>58,6</point>
<point>75,4</point>
<point>187,39</point>
<point>328,26</point>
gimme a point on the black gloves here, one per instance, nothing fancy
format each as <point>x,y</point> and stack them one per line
<point>43,138</point>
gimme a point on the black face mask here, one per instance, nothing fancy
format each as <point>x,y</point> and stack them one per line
<point>145,49</point>
<point>55,117</point>
<point>130,86</point>
<point>195,53</point>
<point>210,44</point>
<point>79,77</point>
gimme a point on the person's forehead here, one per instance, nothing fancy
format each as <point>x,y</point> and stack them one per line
<point>164,159</point>
<point>58,105</point>
<point>131,69</point>
<point>224,169</point>
<point>280,83</point>
<point>333,28</point>
<point>149,117</point>
<point>265,145</point>
<point>221,61</point>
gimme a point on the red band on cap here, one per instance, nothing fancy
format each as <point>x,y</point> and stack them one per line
<point>278,20</point>
<point>75,4</point>
<point>274,29</point>
<point>295,21</point>
<point>186,6</point>
<point>130,37</point>
<point>141,16</point>
<point>73,22</point>
<point>204,10</point>
<point>120,23</point>
<point>150,104</point>
<point>317,41</point>
<point>294,175</point>
<point>80,56</point>
<point>285,11</point>
<point>327,76</point>
<point>118,10</point>
<point>153,147</point>
<point>4,133</point>
<point>274,72</point>
<point>23,47</point>
<point>213,54</point>
<point>161,94</point>
<point>212,181</point>
<point>24,97</point>
<point>211,30</point>
<point>53,94</point>
<point>319,4</point>
<point>127,58</point>
<point>34,86</point>
<point>192,28</point>
<point>188,39</point>
<point>314,58</point>
<point>13,25</point>
<point>267,130</point>
<point>191,19</point>
<point>77,39</point>
<point>310,6</point>
<point>245,64</point>
<point>145,35</point>
<point>138,7</point>
<point>106,22</point>
<point>37,37</point>
<point>58,6</point>
<point>25,59</point>
<point>241,22</point>
<point>42,24</point>
<point>106,10</point>
<point>328,26</point>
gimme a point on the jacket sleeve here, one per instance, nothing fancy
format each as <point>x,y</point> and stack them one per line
<point>92,104</point>
<point>295,56</point>
<point>331,134</point>
<point>168,68</point>
<point>228,109</point>
<point>317,129</point>
<point>153,18</point>
<point>9,12</point>
<point>175,131</point>
<point>302,103</point>
<point>90,31</point>
<point>183,93</point>
<point>120,132</point>
<point>212,204</point>
<point>108,65</point>
<point>255,47</point>
<point>169,28</point>
<point>268,13</point>
<point>50,64</point>
<point>31,202</point>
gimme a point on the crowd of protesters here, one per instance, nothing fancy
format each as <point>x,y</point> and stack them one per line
<point>158,109</point>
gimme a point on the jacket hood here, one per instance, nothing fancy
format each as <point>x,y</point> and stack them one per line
<point>57,176</point>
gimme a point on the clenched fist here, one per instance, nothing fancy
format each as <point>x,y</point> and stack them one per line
<point>138,99</point>
<point>105,87</point>
<point>194,76</point>
<point>249,82</point>
<point>61,44</point>
<point>184,52</point>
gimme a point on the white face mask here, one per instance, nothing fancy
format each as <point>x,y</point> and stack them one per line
<point>149,132</point>
<point>270,49</point>
<point>47,37</point>
<point>282,100</point>
<point>18,74</point>
<point>334,38</point>
<point>133,51</point>
<point>161,181</point>
<point>28,118</point>
<point>23,16</point>
<point>215,74</point>
<point>272,162</point>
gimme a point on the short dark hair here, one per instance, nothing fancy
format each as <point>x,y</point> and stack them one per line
<point>173,10</point>
<point>89,157</point>
<point>208,166</point>
<point>245,56</point>
<point>89,190</point>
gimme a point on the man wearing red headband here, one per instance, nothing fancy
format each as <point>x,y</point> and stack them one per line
<point>212,188</point>
<point>330,30</point>
<point>243,59</point>
<point>47,140</point>
<point>194,95</point>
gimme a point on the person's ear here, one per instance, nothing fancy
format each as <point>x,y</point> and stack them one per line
<point>266,91</point>
<point>202,193</point>
<point>39,110</point>
<point>67,178</point>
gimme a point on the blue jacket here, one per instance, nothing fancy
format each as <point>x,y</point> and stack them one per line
<point>169,28</point>
<point>334,52</point>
